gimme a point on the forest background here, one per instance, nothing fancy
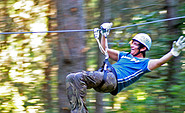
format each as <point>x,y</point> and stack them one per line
<point>33,66</point>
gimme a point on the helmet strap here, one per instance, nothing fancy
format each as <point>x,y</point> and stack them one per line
<point>137,52</point>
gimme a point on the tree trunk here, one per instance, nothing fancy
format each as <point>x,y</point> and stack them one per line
<point>47,85</point>
<point>173,31</point>
<point>174,65</point>
<point>71,45</point>
<point>105,16</point>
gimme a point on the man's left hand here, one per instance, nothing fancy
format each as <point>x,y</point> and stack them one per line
<point>178,46</point>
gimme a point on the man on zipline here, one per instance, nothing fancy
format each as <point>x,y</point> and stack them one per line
<point>130,66</point>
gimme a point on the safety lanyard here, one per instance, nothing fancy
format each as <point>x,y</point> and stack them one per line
<point>106,53</point>
<point>101,48</point>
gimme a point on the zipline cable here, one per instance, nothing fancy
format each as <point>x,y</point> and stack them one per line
<point>162,20</point>
<point>59,31</point>
<point>86,30</point>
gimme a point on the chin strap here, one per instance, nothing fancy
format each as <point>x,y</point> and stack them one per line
<point>137,53</point>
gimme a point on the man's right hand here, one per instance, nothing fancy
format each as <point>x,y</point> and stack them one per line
<point>105,29</point>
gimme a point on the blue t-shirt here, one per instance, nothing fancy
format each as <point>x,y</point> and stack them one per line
<point>129,69</point>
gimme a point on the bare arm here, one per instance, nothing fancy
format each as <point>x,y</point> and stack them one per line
<point>113,54</point>
<point>175,51</point>
<point>155,63</point>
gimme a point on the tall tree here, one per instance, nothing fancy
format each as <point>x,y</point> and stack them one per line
<point>172,31</point>
<point>71,45</point>
<point>174,66</point>
<point>105,16</point>
<point>49,63</point>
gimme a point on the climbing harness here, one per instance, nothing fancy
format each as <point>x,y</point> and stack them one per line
<point>106,63</point>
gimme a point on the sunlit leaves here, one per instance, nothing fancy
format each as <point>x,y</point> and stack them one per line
<point>22,57</point>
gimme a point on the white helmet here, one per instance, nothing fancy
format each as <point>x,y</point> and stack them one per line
<point>143,39</point>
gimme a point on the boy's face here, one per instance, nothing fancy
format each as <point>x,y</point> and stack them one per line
<point>134,45</point>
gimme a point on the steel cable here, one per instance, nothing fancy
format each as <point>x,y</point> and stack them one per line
<point>86,30</point>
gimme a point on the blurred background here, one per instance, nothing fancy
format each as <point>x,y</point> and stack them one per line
<point>33,66</point>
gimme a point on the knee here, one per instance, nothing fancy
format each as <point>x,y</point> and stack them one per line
<point>74,77</point>
<point>70,77</point>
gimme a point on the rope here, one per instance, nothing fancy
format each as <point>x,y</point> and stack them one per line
<point>100,46</point>
<point>86,30</point>
<point>106,48</point>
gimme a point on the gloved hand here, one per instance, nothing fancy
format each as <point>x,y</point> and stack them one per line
<point>96,33</point>
<point>105,29</point>
<point>178,46</point>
